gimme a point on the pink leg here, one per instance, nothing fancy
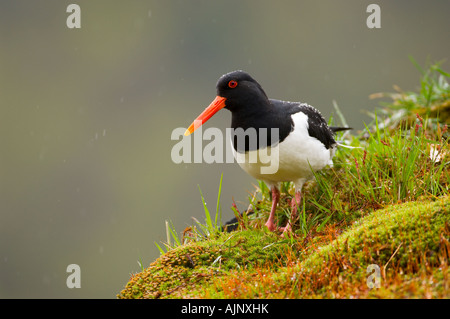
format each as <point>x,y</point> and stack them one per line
<point>275,197</point>
<point>294,207</point>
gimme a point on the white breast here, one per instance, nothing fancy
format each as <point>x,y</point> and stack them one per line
<point>291,160</point>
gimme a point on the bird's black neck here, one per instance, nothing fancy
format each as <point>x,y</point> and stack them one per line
<point>261,116</point>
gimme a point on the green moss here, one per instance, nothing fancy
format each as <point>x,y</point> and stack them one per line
<point>180,270</point>
<point>400,239</point>
<point>407,242</point>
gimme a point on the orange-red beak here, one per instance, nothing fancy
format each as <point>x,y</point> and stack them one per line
<point>213,108</point>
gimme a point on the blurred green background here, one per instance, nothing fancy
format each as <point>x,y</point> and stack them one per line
<point>86,115</point>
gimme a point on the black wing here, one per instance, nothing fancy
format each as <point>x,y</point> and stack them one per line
<point>317,126</point>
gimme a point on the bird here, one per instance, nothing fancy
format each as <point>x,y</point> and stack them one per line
<point>295,133</point>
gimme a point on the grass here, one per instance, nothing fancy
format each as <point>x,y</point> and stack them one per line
<point>199,231</point>
<point>401,242</point>
<point>211,228</point>
<point>432,99</point>
<point>384,202</point>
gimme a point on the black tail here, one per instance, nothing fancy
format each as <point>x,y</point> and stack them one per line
<point>338,129</point>
<point>233,223</point>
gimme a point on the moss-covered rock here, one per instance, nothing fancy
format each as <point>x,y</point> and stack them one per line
<point>180,271</point>
<point>411,238</point>
<point>408,243</point>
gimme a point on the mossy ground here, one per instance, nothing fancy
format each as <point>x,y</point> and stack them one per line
<point>186,268</point>
<point>409,243</point>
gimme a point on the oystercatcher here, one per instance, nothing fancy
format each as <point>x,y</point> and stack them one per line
<point>303,141</point>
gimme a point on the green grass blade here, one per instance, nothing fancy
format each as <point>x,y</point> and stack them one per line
<point>161,251</point>
<point>207,214</point>
<point>218,210</point>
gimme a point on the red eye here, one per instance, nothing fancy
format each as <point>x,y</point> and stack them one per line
<point>232,84</point>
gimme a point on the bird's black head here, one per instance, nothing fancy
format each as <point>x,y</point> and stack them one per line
<point>240,90</point>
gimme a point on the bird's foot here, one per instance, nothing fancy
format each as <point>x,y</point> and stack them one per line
<point>271,225</point>
<point>287,230</point>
